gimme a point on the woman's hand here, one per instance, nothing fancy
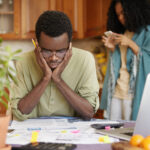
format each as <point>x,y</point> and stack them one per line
<point>109,42</point>
<point>122,39</point>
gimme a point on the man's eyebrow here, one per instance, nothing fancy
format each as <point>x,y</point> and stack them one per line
<point>45,49</point>
<point>61,49</point>
<point>52,50</point>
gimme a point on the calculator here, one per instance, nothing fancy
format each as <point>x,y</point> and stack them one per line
<point>46,146</point>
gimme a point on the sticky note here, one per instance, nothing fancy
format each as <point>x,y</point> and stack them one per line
<point>34,136</point>
<point>75,131</point>
<point>104,139</point>
<point>64,131</point>
<point>107,128</point>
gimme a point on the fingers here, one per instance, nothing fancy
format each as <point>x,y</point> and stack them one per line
<point>70,45</point>
<point>70,49</point>
<point>39,56</point>
<point>69,52</point>
<point>104,39</point>
<point>116,34</point>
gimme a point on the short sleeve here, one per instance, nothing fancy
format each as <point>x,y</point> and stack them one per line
<point>88,87</point>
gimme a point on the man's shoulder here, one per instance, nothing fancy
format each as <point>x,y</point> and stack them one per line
<point>80,53</point>
<point>81,58</point>
<point>26,59</point>
<point>27,55</point>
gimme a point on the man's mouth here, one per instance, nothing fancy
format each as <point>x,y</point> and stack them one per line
<point>53,65</point>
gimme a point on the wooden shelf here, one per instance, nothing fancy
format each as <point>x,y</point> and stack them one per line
<point>7,13</point>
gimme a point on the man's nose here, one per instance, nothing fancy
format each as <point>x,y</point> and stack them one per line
<point>54,57</point>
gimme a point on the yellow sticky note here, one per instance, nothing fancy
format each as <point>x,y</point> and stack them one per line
<point>17,135</point>
<point>104,139</point>
<point>64,131</point>
<point>34,136</point>
<point>101,139</point>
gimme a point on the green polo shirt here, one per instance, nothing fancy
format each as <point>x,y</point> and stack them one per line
<point>79,75</point>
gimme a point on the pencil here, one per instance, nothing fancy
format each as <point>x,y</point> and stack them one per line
<point>34,43</point>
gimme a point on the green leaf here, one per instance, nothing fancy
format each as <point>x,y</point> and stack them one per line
<point>8,48</point>
<point>12,69</point>
<point>1,40</point>
<point>7,71</point>
<point>17,52</point>
<point>13,78</point>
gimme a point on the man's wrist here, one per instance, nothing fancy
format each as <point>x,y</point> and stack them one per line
<point>56,79</point>
<point>46,78</point>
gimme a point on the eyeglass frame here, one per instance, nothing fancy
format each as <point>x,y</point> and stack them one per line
<point>57,53</point>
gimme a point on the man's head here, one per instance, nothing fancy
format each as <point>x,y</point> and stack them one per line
<point>54,34</point>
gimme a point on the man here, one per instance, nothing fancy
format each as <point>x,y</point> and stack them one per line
<point>55,79</point>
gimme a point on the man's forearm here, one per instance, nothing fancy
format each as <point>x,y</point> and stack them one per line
<point>79,104</point>
<point>27,103</point>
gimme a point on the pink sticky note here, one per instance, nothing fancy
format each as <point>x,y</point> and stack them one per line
<point>75,131</point>
<point>107,128</point>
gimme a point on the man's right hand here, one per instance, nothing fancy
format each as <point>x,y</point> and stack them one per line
<point>42,63</point>
<point>29,101</point>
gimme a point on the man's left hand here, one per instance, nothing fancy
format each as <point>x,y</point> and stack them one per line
<point>56,75</point>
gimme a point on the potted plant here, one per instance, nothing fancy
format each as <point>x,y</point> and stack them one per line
<point>7,75</point>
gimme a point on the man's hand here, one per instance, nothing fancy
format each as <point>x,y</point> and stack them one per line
<point>42,63</point>
<point>56,75</point>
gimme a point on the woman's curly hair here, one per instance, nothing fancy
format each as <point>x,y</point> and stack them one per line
<point>136,14</point>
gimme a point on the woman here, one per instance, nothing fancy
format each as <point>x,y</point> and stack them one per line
<point>129,58</point>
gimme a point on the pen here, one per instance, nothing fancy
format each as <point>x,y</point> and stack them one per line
<point>34,43</point>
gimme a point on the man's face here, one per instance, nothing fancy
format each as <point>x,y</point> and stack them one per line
<point>54,48</point>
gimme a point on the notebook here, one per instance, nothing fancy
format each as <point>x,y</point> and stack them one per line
<point>142,124</point>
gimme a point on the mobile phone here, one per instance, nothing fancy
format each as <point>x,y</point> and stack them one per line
<point>102,126</point>
<point>108,33</point>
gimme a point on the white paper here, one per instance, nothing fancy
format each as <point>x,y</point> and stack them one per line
<point>56,131</point>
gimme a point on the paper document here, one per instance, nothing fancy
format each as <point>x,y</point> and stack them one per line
<point>57,131</point>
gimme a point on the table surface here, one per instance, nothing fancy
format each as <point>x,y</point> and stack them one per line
<point>100,146</point>
<point>93,147</point>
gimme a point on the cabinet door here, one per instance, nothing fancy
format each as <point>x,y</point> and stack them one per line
<point>96,17</point>
<point>31,10</point>
<point>70,8</point>
<point>88,17</point>
<point>10,19</point>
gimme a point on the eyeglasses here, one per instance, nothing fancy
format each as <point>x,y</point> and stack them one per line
<point>49,53</point>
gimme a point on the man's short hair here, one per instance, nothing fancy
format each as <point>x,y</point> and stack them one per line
<point>53,23</point>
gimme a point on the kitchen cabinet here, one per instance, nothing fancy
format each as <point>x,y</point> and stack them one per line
<point>10,15</point>
<point>88,17</point>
